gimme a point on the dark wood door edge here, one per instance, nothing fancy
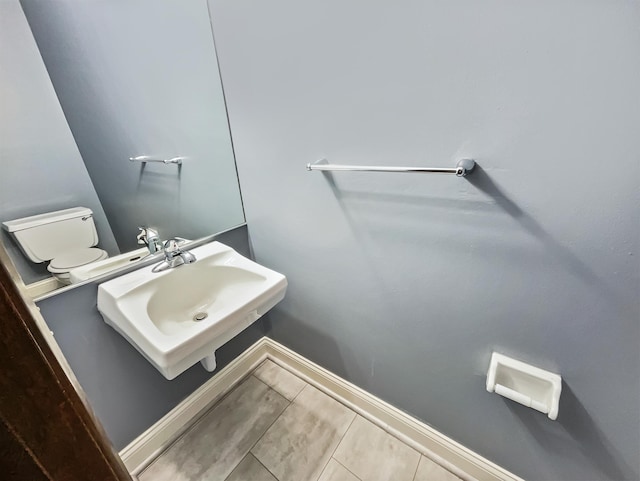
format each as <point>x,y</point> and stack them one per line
<point>40,408</point>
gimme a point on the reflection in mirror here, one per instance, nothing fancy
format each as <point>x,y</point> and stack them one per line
<point>85,87</point>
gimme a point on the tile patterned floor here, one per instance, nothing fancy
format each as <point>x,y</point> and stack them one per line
<point>275,427</point>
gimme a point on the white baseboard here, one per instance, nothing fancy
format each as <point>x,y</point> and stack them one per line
<point>453,456</point>
<point>39,288</point>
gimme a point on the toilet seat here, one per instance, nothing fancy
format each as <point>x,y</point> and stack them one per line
<point>75,258</point>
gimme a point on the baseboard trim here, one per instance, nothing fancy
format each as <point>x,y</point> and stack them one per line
<point>40,288</point>
<point>458,459</point>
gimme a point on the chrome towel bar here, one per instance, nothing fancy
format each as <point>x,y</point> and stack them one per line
<point>462,168</point>
<point>146,158</point>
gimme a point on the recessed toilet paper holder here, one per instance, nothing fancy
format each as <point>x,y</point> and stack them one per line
<point>525,384</point>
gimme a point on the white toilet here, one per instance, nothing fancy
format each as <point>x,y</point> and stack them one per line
<point>64,237</point>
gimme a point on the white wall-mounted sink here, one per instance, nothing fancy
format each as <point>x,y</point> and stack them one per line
<point>180,316</point>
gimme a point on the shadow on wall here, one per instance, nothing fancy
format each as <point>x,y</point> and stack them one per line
<point>316,345</point>
<point>158,180</point>
<point>575,422</point>
<point>481,181</point>
<point>561,254</point>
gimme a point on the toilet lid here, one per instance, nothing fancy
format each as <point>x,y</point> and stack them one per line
<point>75,258</point>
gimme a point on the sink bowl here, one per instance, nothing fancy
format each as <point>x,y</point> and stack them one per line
<point>180,316</point>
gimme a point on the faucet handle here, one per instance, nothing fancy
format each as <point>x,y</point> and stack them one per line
<point>171,247</point>
<point>142,236</point>
<point>149,237</point>
<point>146,232</point>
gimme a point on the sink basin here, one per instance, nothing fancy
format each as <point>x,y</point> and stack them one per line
<point>180,316</point>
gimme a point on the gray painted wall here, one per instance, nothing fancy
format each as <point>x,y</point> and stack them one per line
<point>126,392</point>
<point>42,170</point>
<point>141,78</point>
<point>404,284</point>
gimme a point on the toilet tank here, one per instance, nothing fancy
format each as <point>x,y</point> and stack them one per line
<point>42,237</point>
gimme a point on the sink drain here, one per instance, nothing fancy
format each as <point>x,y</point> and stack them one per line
<point>200,316</point>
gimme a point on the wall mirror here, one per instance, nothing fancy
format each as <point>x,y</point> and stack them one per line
<point>132,79</point>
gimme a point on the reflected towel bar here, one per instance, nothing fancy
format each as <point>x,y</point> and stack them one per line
<point>146,158</point>
<point>462,168</point>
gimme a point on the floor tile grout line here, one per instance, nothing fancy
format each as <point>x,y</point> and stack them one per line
<point>338,445</point>
<point>289,403</point>
<point>357,477</point>
<point>417,467</point>
<point>262,464</point>
<point>274,390</point>
<point>252,374</point>
<point>306,385</point>
<point>324,468</point>
<point>215,404</point>
<point>267,428</point>
<point>270,425</point>
<point>283,412</point>
<point>257,460</point>
<point>420,455</point>
<point>268,359</point>
<point>263,435</point>
<point>194,423</point>
<point>345,433</point>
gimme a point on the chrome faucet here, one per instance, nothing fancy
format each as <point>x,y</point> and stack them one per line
<point>149,237</point>
<point>174,256</point>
